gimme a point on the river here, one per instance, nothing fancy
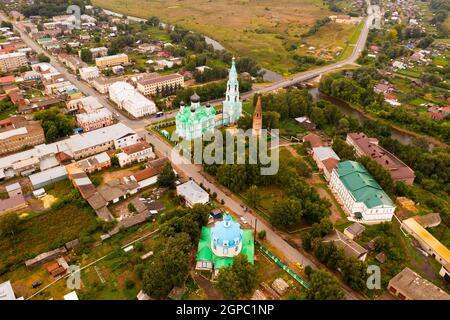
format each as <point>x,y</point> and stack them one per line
<point>346,109</point>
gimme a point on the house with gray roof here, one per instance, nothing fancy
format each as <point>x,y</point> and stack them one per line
<point>350,247</point>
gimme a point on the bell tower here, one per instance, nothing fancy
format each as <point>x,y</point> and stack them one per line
<point>232,106</point>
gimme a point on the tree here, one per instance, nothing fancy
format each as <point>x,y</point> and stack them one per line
<point>239,279</point>
<point>86,55</point>
<point>262,235</point>
<point>131,208</point>
<point>55,123</point>
<point>381,175</point>
<point>343,150</point>
<point>253,196</point>
<point>153,21</point>
<point>43,58</point>
<point>287,213</point>
<point>115,161</point>
<point>9,224</point>
<point>169,267</point>
<point>167,177</point>
<point>425,42</point>
<point>228,284</point>
<point>323,286</point>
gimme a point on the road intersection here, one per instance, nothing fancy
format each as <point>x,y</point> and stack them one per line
<point>291,254</point>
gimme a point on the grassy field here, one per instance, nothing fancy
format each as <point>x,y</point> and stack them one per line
<point>263,30</point>
<point>47,230</point>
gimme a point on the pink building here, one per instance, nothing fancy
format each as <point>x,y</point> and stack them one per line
<point>94,120</point>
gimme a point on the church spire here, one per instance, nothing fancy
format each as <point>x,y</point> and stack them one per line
<point>233,71</point>
<point>232,106</point>
<point>257,118</point>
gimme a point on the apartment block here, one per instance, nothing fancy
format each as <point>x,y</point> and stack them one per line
<point>111,61</point>
<point>12,61</point>
<point>16,134</point>
<point>155,83</point>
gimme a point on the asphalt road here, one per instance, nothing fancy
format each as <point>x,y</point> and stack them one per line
<point>194,171</point>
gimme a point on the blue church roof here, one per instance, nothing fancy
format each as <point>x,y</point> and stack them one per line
<point>226,230</point>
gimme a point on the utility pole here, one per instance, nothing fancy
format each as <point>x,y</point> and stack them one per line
<point>254,239</point>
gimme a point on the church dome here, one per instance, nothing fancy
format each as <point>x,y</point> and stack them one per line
<point>195,98</point>
<point>192,109</point>
<point>227,233</point>
<point>182,103</point>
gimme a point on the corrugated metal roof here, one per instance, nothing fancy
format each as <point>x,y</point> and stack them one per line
<point>362,185</point>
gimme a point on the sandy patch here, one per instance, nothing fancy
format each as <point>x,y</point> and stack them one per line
<point>47,201</point>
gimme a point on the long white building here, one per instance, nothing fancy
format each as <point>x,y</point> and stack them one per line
<point>360,195</point>
<point>128,98</point>
<point>78,146</point>
<point>89,73</point>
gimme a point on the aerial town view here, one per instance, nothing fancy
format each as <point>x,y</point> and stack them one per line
<point>254,151</point>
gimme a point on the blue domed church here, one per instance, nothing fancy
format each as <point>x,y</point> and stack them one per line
<point>218,245</point>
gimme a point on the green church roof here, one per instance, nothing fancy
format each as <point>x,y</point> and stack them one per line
<point>362,185</point>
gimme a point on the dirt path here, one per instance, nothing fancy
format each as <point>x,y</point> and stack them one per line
<point>315,181</point>
<point>211,292</point>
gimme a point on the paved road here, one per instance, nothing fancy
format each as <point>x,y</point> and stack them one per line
<point>194,171</point>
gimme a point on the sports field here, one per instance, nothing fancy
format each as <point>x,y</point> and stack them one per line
<point>261,29</point>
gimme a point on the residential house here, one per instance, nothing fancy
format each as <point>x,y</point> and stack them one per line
<point>349,247</point>
<point>306,123</point>
<point>326,160</point>
<point>95,163</point>
<point>313,139</point>
<point>138,152</point>
<point>192,193</point>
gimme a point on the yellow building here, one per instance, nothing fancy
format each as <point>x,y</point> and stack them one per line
<point>111,61</point>
<point>426,240</point>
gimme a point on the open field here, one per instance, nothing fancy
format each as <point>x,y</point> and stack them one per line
<point>40,232</point>
<point>263,30</point>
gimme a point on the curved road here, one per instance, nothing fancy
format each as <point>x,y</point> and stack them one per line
<point>291,254</point>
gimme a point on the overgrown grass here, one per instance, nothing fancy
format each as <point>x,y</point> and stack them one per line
<point>46,231</point>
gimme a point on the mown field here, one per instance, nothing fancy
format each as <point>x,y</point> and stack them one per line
<point>263,29</point>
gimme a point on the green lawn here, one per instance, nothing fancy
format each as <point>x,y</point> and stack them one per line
<point>351,42</point>
<point>5,113</point>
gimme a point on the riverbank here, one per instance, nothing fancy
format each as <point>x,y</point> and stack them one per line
<point>401,134</point>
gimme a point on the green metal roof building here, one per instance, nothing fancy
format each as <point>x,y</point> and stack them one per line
<point>207,257</point>
<point>195,120</point>
<point>361,195</point>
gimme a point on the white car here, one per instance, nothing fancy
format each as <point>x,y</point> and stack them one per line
<point>243,220</point>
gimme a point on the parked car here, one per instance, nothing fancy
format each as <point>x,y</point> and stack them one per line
<point>243,220</point>
<point>36,284</point>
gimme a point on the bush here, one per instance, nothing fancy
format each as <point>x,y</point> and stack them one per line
<point>262,235</point>
<point>129,284</point>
